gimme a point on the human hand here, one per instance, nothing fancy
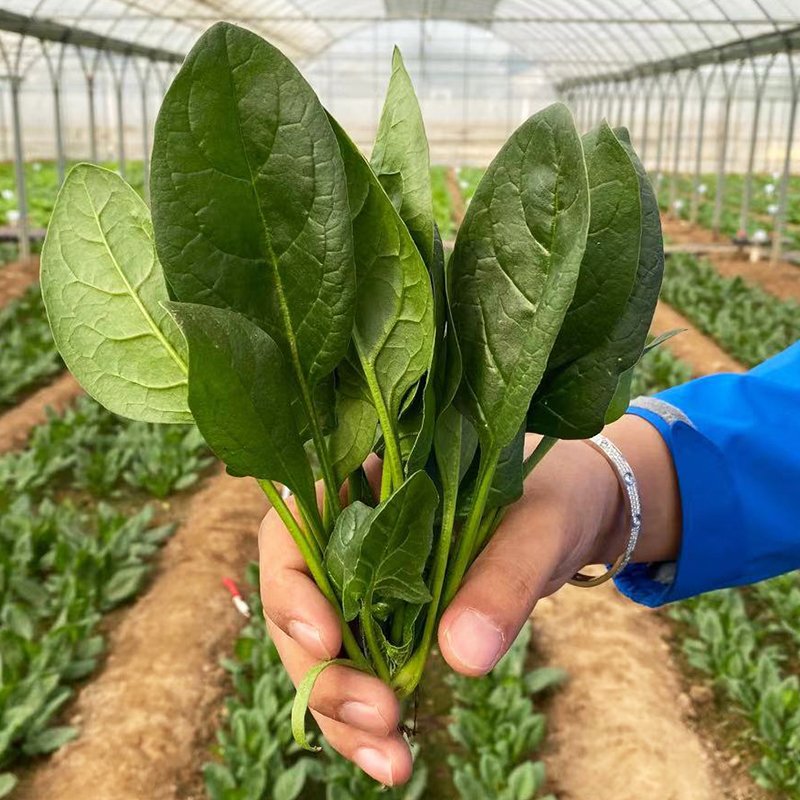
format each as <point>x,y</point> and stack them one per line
<point>571,514</point>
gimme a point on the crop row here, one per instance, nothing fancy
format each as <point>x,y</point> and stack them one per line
<point>746,641</point>
<point>493,733</point>
<point>42,187</point>
<point>747,322</point>
<point>764,201</point>
<point>28,355</point>
<point>67,557</point>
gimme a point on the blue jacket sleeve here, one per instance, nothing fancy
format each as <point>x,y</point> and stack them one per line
<point>735,441</point>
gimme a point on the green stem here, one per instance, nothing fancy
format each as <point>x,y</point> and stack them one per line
<point>540,451</point>
<point>368,628</point>
<point>328,475</point>
<point>313,557</point>
<point>398,619</point>
<point>313,523</point>
<point>386,480</point>
<point>469,534</point>
<point>409,675</point>
<point>391,445</point>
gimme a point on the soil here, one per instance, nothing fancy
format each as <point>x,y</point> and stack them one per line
<point>619,729</point>
<point>781,280</point>
<point>16,423</point>
<point>702,354</point>
<point>147,716</point>
<point>16,277</point>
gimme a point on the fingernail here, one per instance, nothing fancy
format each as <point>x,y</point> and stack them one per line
<point>307,636</point>
<point>475,640</point>
<point>375,764</point>
<point>364,716</point>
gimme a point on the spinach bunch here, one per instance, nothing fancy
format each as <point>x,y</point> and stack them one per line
<point>293,300</point>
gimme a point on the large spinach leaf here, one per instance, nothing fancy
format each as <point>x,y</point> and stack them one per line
<point>241,392</point>
<point>514,269</point>
<point>250,201</point>
<point>401,160</point>
<point>576,400</point>
<point>102,287</point>
<point>610,260</point>
<point>394,318</point>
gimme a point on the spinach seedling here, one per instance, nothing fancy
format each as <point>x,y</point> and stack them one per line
<point>294,300</point>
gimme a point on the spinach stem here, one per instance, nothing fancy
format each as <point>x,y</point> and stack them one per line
<point>313,557</point>
<point>397,624</point>
<point>312,522</point>
<point>540,451</point>
<point>371,637</point>
<point>492,521</point>
<point>469,534</point>
<point>386,480</point>
<point>391,445</point>
<point>328,476</point>
<point>409,675</point>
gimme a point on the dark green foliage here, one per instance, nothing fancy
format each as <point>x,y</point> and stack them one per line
<point>747,322</point>
<point>322,324</point>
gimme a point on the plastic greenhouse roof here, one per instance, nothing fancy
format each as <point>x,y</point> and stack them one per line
<point>574,39</point>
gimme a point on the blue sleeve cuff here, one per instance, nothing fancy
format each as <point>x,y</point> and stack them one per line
<point>707,499</point>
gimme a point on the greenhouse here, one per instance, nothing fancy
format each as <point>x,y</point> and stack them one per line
<point>399,400</point>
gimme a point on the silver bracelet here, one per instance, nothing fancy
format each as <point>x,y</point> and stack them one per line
<point>630,489</point>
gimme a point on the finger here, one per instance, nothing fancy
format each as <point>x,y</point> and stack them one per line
<point>387,759</point>
<point>498,595</point>
<point>290,597</point>
<point>357,701</point>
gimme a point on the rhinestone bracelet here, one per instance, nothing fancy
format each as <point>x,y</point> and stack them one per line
<point>627,480</point>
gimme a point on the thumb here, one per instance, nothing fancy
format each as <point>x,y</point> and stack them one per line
<point>499,592</point>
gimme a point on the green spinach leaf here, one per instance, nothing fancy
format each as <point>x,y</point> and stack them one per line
<point>394,324</point>
<point>249,197</point>
<point>401,160</point>
<point>356,423</point>
<point>382,553</point>
<point>578,399</point>
<point>241,392</point>
<point>514,269</point>
<point>102,287</point>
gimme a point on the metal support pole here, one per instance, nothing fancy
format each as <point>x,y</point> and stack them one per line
<point>760,84</point>
<point>730,87</point>
<point>662,120</point>
<point>92,117</point>
<point>780,217</point>
<point>645,133</point>
<point>55,71</point>
<point>143,75</point>
<point>770,128</point>
<point>698,157</point>
<point>676,158</point>
<point>118,76</point>
<point>19,169</point>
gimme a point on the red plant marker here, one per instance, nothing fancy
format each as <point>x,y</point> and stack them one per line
<point>236,596</point>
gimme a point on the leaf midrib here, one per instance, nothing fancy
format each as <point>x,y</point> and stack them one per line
<point>157,332</point>
<point>271,257</point>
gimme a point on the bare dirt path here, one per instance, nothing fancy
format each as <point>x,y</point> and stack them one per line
<point>781,280</point>
<point>145,717</point>
<point>618,729</point>
<point>701,353</point>
<point>16,423</point>
<point>16,277</point>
